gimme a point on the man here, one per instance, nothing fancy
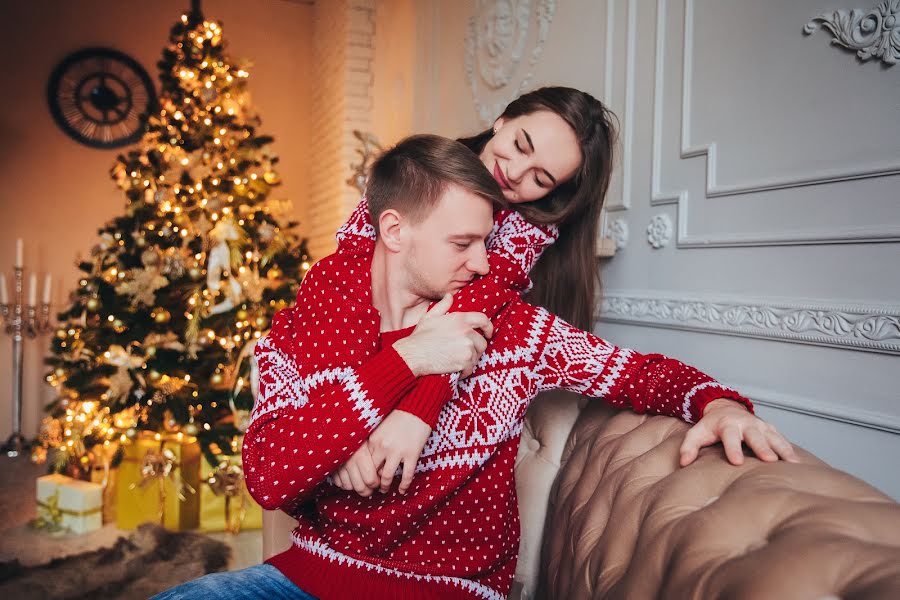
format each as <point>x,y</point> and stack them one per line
<point>338,372</point>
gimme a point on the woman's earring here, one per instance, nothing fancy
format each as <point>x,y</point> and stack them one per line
<point>495,130</point>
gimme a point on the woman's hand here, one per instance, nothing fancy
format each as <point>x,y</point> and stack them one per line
<point>730,422</point>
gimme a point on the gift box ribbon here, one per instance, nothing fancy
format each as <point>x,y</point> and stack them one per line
<point>157,466</point>
<point>50,515</point>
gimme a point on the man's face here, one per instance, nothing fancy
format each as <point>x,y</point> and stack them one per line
<point>446,250</point>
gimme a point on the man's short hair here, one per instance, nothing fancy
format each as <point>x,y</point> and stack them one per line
<point>412,176</point>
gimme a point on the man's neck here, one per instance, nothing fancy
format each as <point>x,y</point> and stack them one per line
<point>398,306</point>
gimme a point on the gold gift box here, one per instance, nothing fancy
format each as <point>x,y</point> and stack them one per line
<point>158,481</point>
<point>222,512</point>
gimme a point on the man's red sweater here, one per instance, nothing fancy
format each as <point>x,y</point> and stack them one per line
<point>327,379</point>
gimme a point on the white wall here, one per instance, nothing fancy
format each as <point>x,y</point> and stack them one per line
<point>775,158</point>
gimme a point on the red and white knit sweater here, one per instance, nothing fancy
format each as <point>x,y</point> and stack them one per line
<point>328,378</point>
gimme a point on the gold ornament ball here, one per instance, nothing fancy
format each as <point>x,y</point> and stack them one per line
<point>195,273</point>
<point>162,315</point>
<point>241,315</point>
<point>140,242</point>
<point>92,304</point>
<point>61,334</point>
<point>151,350</point>
<point>261,321</point>
<point>271,177</point>
<point>155,375</point>
<point>216,379</point>
<point>274,273</point>
<point>118,324</point>
<point>191,429</point>
<point>131,433</point>
<point>59,371</point>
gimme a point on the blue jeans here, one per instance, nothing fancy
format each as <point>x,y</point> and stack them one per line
<point>263,582</point>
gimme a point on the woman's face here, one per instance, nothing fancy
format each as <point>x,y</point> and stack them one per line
<point>531,155</point>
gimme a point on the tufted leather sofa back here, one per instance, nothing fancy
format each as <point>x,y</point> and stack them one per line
<point>625,521</point>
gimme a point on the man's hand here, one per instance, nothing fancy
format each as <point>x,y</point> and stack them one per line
<point>399,439</point>
<point>445,343</point>
<point>729,421</point>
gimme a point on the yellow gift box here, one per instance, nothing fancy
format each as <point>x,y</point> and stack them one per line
<point>158,481</point>
<point>106,477</point>
<point>66,503</point>
<point>225,503</point>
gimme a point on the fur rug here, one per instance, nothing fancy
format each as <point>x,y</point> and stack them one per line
<point>147,562</point>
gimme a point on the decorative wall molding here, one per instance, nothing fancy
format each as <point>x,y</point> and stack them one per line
<point>873,328</point>
<point>495,46</point>
<point>807,406</point>
<point>873,34</point>
<point>684,239</point>
<point>618,231</point>
<point>659,231</point>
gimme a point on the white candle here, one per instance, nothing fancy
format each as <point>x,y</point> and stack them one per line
<point>4,295</point>
<point>32,290</point>
<point>47,284</point>
<point>19,252</point>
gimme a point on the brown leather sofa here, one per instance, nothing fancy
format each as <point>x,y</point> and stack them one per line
<point>607,513</point>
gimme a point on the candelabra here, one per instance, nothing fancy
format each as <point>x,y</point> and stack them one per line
<point>21,320</point>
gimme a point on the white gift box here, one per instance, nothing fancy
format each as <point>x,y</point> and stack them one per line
<point>70,503</point>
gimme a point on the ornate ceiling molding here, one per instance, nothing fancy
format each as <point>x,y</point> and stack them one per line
<point>873,34</point>
<point>853,327</point>
<point>496,43</point>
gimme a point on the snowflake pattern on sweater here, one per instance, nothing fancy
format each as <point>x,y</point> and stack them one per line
<point>327,378</point>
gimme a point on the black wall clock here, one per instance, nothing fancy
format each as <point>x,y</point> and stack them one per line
<point>101,97</point>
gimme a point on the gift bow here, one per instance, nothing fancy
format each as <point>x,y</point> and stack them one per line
<point>228,480</point>
<point>157,466</point>
<point>50,515</point>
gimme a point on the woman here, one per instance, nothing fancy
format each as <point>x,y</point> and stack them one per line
<point>551,152</point>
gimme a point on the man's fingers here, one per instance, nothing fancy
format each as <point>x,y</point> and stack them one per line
<point>367,469</point>
<point>756,441</point>
<point>357,481</point>
<point>387,473</point>
<point>409,469</point>
<point>477,320</point>
<point>441,307</point>
<point>342,479</point>
<point>731,439</point>
<point>479,342</point>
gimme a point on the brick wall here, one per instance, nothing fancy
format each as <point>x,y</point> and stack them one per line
<point>341,102</point>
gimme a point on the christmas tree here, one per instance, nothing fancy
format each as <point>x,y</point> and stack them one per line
<point>161,328</point>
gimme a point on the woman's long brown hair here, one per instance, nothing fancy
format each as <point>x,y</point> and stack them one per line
<point>567,278</point>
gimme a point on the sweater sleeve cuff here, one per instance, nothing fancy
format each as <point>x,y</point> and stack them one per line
<point>387,378</point>
<point>427,398</point>
<point>703,394</point>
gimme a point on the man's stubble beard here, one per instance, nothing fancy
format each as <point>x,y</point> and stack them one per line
<point>418,284</point>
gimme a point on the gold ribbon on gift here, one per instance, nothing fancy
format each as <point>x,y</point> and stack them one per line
<point>228,480</point>
<point>157,466</point>
<point>50,515</point>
